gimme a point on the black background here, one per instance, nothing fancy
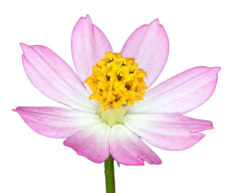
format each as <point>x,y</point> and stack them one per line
<point>48,165</point>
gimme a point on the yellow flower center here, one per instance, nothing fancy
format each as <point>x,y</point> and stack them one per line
<point>116,81</point>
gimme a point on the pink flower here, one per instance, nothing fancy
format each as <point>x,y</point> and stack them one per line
<point>158,118</point>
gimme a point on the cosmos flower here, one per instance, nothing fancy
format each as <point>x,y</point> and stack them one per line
<point>112,108</point>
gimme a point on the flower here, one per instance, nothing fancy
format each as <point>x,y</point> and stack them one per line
<point>121,115</point>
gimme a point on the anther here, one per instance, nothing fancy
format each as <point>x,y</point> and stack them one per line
<point>117,99</point>
<point>132,71</point>
<point>119,75</point>
<point>122,62</point>
<point>108,77</point>
<point>111,57</point>
<point>128,85</point>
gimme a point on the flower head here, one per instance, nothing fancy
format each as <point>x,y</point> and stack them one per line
<point>120,112</point>
<point>116,81</point>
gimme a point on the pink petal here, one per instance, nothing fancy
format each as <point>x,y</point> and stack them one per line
<point>56,122</point>
<point>128,149</point>
<point>149,46</point>
<point>88,46</point>
<point>167,131</point>
<point>54,78</point>
<point>181,93</point>
<point>92,143</point>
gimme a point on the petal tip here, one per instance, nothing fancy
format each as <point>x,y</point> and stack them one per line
<point>88,17</point>
<point>220,68</point>
<point>155,21</point>
<point>24,47</point>
<point>17,109</point>
<point>11,109</point>
<point>20,45</point>
<point>83,17</point>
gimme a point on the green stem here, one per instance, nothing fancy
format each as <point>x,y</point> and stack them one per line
<point>109,175</point>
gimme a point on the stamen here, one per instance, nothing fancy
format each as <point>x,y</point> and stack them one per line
<point>108,76</point>
<point>119,75</point>
<point>128,85</point>
<point>111,57</point>
<point>133,70</point>
<point>123,62</point>
<point>117,98</point>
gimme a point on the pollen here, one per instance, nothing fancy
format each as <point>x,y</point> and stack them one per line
<point>116,81</point>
